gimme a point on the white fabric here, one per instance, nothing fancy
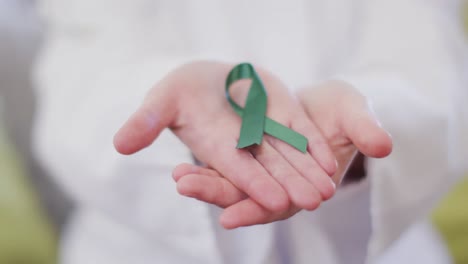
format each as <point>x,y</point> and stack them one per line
<point>102,56</point>
<point>408,250</point>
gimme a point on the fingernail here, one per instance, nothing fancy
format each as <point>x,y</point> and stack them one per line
<point>371,110</point>
<point>335,168</point>
<point>333,184</point>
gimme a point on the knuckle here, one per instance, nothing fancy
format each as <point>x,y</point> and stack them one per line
<point>220,195</point>
<point>281,205</point>
<point>318,142</point>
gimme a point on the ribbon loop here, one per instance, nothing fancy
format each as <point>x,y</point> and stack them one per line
<point>254,120</point>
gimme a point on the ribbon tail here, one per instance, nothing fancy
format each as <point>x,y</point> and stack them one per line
<point>285,134</point>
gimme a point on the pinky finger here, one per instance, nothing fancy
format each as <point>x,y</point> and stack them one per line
<point>209,189</point>
<point>248,213</point>
<point>186,168</point>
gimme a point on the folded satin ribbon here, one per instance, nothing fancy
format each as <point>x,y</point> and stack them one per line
<point>254,120</point>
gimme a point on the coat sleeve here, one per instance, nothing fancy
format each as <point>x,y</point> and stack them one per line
<point>410,62</point>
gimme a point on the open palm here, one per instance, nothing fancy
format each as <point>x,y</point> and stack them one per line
<point>191,102</point>
<point>342,115</point>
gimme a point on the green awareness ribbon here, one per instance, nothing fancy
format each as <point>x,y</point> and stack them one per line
<point>254,120</point>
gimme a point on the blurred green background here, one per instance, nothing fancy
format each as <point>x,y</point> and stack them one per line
<point>451,218</point>
<point>26,236</point>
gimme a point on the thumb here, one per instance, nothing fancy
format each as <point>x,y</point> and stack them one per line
<point>365,132</point>
<point>157,112</point>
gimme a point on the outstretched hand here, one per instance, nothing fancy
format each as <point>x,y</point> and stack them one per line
<point>272,177</point>
<point>342,115</point>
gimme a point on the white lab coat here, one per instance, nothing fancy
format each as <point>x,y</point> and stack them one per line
<point>101,57</point>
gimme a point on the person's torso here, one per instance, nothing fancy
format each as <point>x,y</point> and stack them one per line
<point>301,41</point>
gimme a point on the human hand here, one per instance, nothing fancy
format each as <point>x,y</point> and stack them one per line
<point>275,176</point>
<point>343,116</point>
